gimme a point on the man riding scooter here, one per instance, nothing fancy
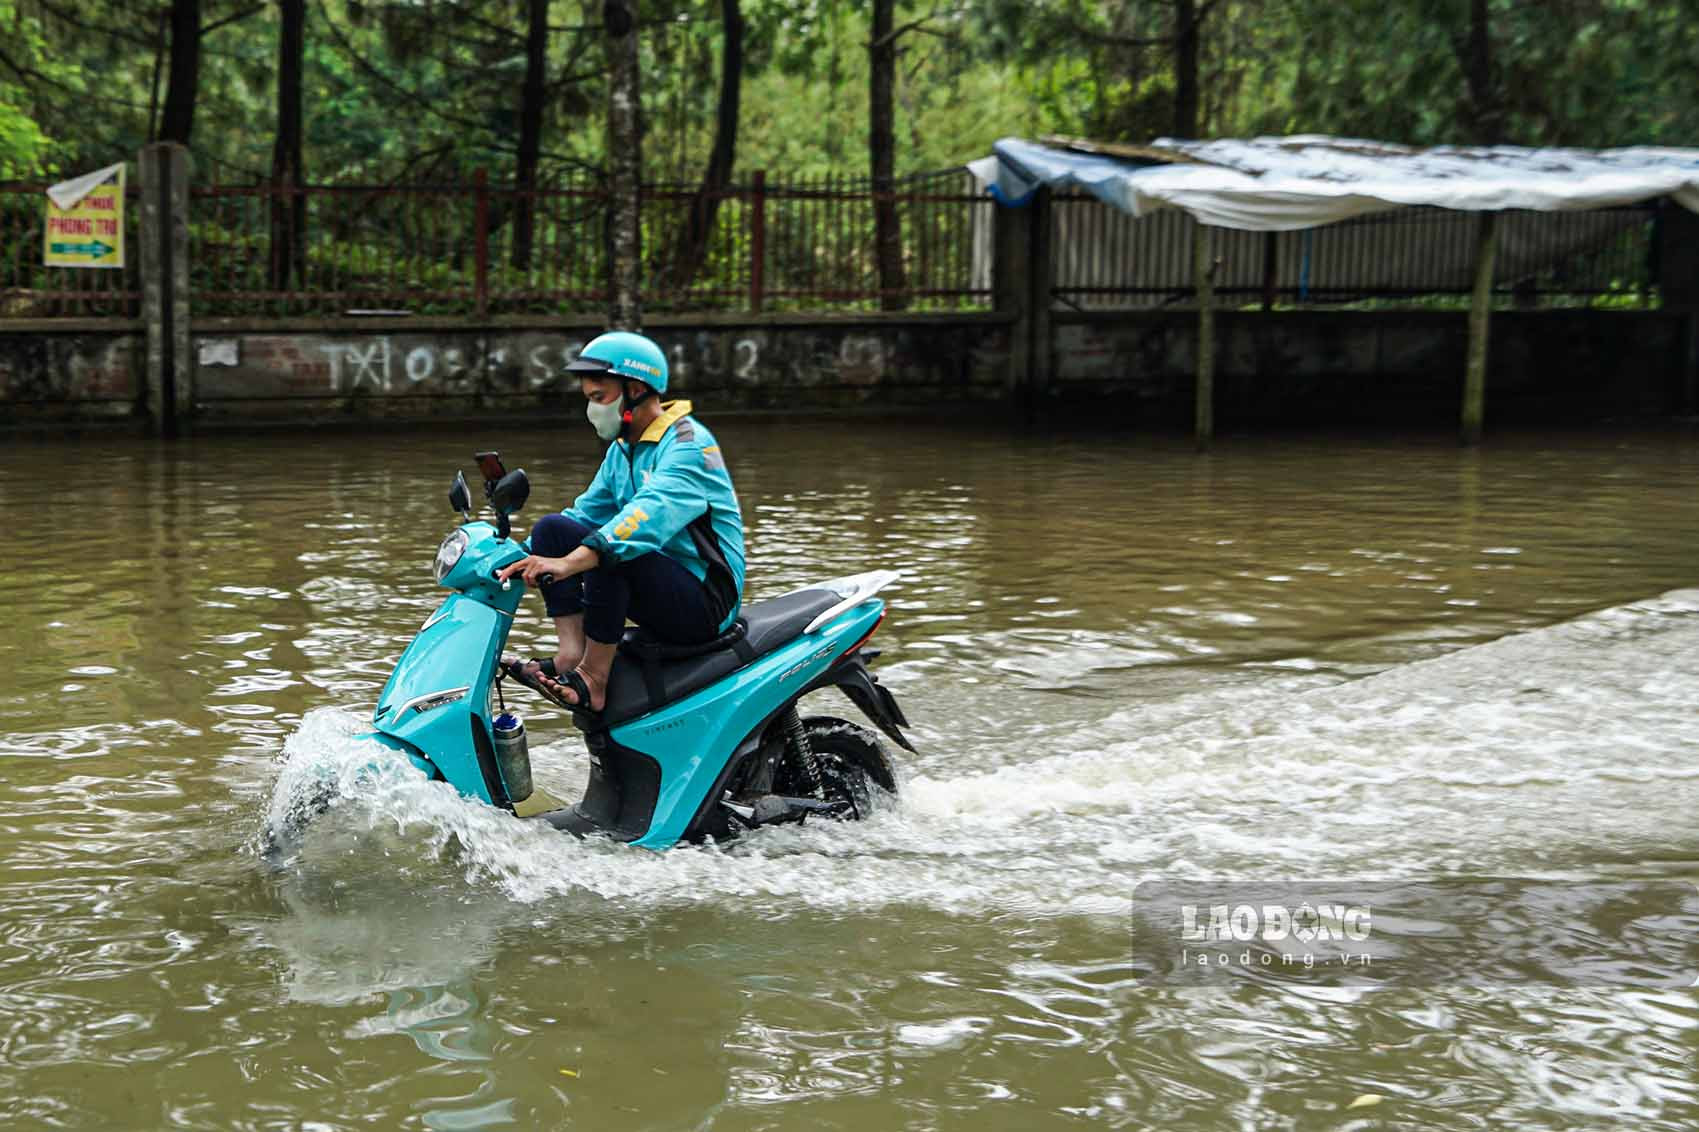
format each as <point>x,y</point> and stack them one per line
<point>657,538</point>
<point>698,732</point>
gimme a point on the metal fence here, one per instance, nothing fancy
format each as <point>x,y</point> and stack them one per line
<point>451,249</point>
<point>789,244</point>
<point>419,248</point>
<point>809,242</point>
<point>29,290</point>
<point>1103,258</point>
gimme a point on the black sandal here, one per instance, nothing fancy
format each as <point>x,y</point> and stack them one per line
<point>515,667</point>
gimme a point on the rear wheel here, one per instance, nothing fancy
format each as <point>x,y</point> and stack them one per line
<point>852,762</point>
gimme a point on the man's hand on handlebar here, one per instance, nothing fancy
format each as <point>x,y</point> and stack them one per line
<point>535,569</point>
<point>538,570</point>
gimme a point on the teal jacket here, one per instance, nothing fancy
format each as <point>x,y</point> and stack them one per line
<point>669,492</point>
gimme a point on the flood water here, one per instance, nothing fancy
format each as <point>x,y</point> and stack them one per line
<point>1292,658</point>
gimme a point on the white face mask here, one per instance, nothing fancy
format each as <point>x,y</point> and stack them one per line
<point>606,419</point>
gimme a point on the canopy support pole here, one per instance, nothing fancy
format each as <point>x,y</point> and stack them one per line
<point>1480,326</point>
<point>1203,277</point>
<point>1021,287</point>
<point>1676,255</point>
<point>1270,268</point>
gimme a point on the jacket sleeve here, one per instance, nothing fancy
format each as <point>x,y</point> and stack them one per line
<point>675,495</point>
<point>598,504</point>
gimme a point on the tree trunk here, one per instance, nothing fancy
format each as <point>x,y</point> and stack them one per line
<point>1486,116</point>
<point>1185,68</point>
<point>625,166</point>
<point>288,208</point>
<point>530,132</point>
<point>699,226</point>
<point>881,145</point>
<point>158,66</point>
<point>185,71</point>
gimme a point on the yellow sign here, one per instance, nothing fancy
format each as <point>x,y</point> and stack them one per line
<point>85,220</point>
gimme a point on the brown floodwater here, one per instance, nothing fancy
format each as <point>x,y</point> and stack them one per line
<point>1294,657</point>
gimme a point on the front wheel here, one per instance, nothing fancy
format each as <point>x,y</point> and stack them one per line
<point>852,761</point>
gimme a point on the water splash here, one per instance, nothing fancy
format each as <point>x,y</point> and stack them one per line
<point>1463,762</point>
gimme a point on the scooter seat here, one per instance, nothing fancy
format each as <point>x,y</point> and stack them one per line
<point>768,625</point>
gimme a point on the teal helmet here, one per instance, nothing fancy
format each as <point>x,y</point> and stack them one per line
<point>622,354</point>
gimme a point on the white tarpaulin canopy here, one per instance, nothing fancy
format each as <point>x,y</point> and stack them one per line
<point>1290,183</point>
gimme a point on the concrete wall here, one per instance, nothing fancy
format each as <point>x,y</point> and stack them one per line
<point>417,368</point>
<point>1308,367</point>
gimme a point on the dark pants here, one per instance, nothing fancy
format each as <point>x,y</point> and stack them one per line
<point>653,590</point>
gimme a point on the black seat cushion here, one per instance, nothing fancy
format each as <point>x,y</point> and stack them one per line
<point>769,625</point>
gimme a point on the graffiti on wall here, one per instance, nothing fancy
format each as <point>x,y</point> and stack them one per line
<point>382,367</point>
<point>807,357</point>
<point>72,367</point>
<point>748,362</point>
<point>259,366</point>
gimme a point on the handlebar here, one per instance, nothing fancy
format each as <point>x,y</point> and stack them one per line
<point>542,580</point>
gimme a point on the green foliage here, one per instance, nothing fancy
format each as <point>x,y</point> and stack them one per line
<point>1567,72</point>
<point>24,148</point>
<point>429,91</point>
<point>431,87</point>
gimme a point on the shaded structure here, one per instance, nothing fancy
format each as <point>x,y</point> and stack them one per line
<point>1301,183</point>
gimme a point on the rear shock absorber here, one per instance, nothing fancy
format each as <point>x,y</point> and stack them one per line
<point>797,739</point>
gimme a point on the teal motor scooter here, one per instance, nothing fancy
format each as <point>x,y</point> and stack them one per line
<point>693,742</point>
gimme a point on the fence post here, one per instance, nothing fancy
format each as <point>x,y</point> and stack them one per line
<point>164,170</point>
<point>481,245</point>
<point>758,241</point>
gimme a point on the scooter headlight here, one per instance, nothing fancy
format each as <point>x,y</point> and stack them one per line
<point>448,554</point>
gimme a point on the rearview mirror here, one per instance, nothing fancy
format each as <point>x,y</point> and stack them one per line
<point>489,466</point>
<point>460,496</point>
<point>510,492</point>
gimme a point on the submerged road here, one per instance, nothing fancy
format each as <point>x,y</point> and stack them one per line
<point>1125,662</point>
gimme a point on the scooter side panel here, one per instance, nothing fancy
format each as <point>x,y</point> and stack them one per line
<point>457,650</point>
<point>691,739</point>
<point>420,762</point>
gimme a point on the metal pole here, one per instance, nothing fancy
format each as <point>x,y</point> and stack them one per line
<point>757,240</point>
<point>1203,278</point>
<point>1041,267</point>
<point>1270,268</point>
<point>481,244</point>
<point>1480,324</point>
